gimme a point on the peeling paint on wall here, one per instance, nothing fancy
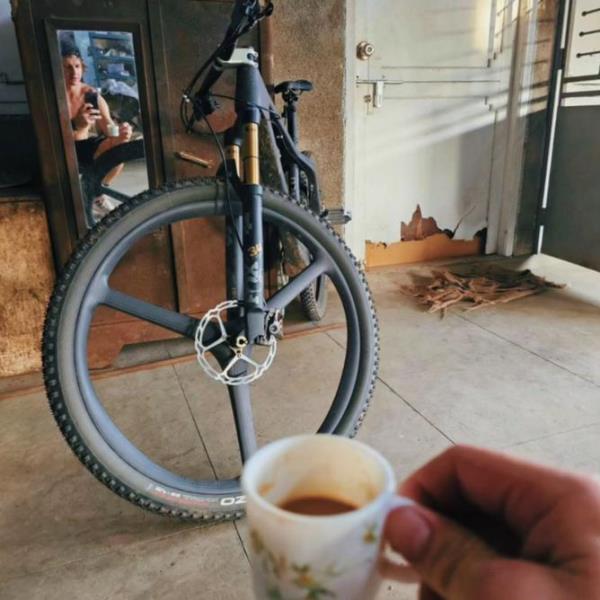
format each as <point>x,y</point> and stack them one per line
<point>422,240</point>
<point>418,228</point>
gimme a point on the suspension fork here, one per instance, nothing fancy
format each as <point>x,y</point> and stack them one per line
<point>254,301</point>
<point>245,266</point>
<point>234,225</point>
<point>248,93</point>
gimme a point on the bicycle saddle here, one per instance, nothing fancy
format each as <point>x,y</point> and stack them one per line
<point>294,86</point>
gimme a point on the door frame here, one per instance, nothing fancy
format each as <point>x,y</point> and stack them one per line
<point>555,94</point>
<point>355,230</point>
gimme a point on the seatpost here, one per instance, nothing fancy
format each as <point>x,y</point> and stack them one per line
<point>291,116</point>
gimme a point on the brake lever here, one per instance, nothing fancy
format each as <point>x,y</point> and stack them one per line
<point>204,106</point>
<point>267,11</point>
<point>255,16</point>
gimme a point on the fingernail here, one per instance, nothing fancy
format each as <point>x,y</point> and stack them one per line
<point>408,532</point>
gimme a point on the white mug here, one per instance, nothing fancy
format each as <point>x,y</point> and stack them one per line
<point>296,556</point>
<point>113,130</point>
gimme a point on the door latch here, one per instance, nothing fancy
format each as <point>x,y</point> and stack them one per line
<point>378,89</point>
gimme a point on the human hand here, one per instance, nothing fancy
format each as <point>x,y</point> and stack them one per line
<point>87,115</point>
<point>125,132</point>
<point>488,526</point>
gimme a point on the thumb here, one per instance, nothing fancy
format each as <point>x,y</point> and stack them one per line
<point>449,559</point>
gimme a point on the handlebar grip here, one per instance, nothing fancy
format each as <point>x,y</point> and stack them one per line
<point>214,74</point>
<point>243,9</point>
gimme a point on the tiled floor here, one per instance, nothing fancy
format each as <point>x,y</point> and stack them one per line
<point>521,377</point>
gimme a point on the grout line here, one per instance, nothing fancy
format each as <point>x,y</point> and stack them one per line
<point>210,462</point>
<point>408,404</point>
<point>391,389</point>
<point>549,435</point>
<point>235,526</point>
<point>528,350</point>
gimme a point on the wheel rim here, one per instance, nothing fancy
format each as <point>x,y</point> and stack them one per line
<point>102,421</point>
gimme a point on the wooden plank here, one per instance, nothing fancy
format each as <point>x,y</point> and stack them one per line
<point>432,248</point>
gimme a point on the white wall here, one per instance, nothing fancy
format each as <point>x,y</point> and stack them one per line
<point>12,97</point>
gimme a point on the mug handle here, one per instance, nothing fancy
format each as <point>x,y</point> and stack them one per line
<point>392,569</point>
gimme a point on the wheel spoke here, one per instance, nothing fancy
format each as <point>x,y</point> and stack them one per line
<point>241,405</point>
<point>169,319</point>
<point>108,191</point>
<point>297,285</point>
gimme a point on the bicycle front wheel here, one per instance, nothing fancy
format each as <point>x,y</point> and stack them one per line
<point>170,447</point>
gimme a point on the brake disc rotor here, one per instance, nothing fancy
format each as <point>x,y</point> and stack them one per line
<point>245,368</point>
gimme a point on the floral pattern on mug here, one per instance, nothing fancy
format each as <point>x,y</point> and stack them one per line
<point>310,583</point>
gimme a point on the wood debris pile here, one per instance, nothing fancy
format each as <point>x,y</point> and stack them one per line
<point>487,287</point>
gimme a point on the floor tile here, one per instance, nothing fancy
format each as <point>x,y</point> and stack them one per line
<point>201,563</point>
<point>474,386</point>
<point>52,510</point>
<point>577,450</point>
<point>480,389</point>
<point>562,326</point>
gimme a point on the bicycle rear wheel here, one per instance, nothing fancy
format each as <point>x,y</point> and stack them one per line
<point>314,298</point>
<point>122,452</point>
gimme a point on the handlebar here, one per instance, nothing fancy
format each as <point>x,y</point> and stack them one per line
<point>242,10</point>
<point>245,15</point>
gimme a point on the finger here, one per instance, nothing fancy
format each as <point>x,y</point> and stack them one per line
<point>426,593</point>
<point>447,557</point>
<point>458,565</point>
<point>401,573</point>
<point>496,484</point>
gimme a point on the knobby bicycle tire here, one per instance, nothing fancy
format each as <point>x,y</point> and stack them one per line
<point>314,298</point>
<point>68,402</point>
